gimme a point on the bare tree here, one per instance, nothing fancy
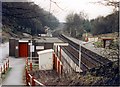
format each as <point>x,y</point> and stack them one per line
<point>113,3</point>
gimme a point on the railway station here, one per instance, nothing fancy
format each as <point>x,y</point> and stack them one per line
<point>23,47</point>
<point>56,43</point>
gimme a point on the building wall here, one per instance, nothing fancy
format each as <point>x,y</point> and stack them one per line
<point>16,50</point>
<point>14,47</point>
<point>46,61</point>
<point>11,47</point>
<point>95,39</point>
<point>46,46</point>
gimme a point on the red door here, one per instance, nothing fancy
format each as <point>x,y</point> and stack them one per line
<point>23,49</point>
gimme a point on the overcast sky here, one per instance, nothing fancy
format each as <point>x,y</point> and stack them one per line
<point>76,6</point>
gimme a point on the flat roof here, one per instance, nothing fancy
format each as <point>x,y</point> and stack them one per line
<point>41,40</point>
<point>49,40</point>
<point>45,51</point>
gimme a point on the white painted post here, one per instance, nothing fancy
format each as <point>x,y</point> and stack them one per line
<point>80,57</point>
<point>31,55</point>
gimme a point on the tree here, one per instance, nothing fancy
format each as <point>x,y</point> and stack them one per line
<point>77,24</point>
<point>108,24</point>
<point>114,3</point>
<point>27,17</point>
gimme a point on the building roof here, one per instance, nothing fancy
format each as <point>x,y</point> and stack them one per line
<point>107,38</point>
<point>49,40</point>
<point>45,51</point>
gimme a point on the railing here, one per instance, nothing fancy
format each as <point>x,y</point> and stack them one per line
<point>35,60</point>
<point>30,80</point>
<point>57,64</point>
<point>5,66</point>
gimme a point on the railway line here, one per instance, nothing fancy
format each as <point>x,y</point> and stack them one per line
<point>89,59</point>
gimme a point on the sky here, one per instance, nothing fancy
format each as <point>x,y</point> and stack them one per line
<point>76,6</point>
<point>66,7</point>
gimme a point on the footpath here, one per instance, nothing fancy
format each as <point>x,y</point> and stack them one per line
<point>15,76</point>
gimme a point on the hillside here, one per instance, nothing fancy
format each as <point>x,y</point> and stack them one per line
<point>25,17</point>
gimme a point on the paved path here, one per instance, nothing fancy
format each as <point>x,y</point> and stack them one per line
<point>15,76</point>
<point>4,51</point>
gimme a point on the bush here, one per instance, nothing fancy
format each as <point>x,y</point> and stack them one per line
<point>98,44</point>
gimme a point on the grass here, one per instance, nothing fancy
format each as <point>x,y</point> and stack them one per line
<point>98,44</point>
<point>4,75</point>
<point>34,67</point>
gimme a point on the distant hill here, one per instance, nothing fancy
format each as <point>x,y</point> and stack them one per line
<point>25,17</point>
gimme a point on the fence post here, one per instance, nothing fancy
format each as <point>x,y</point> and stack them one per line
<point>27,61</point>
<point>33,82</point>
<point>8,63</point>
<point>4,68</point>
<point>53,60</point>
<point>60,53</point>
<point>56,63</point>
<point>57,51</point>
<point>61,69</point>
<point>31,66</point>
<point>28,79</point>
<point>26,76</point>
<point>1,69</point>
<point>58,67</point>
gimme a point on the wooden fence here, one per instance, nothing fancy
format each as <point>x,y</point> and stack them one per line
<point>5,66</point>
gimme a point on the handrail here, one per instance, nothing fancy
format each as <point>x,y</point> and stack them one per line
<point>33,59</point>
<point>30,75</point>
<point>30,80</point>
<point>38,82</point>
<point>29,84</point>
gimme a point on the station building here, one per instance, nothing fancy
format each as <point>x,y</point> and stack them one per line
<point>23,47</point>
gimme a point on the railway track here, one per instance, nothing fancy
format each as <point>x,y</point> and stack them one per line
<point>75,59</point>
<point>88,61</point>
